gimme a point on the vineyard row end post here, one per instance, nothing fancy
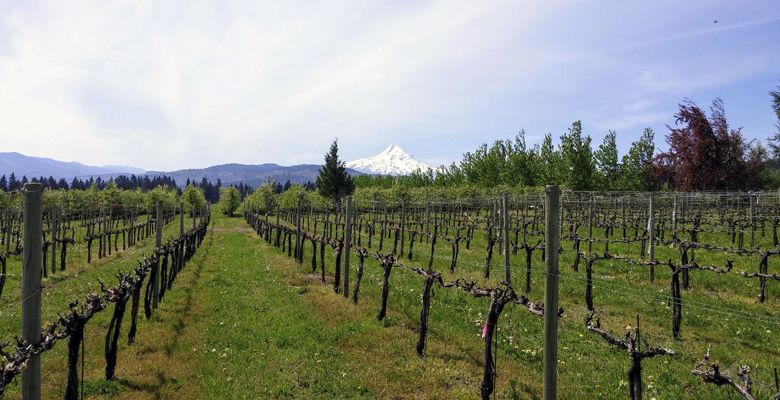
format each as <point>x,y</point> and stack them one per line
<point>552,246</point>
<point>31,287</point>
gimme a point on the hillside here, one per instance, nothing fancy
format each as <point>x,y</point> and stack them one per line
<point>22,165</point>
<point>248,174</point>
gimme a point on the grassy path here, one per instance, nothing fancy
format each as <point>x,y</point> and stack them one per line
<point>229,329</point>
<point>243,322</point>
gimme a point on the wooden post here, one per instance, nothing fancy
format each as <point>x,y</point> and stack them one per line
<point>298,241</point>
<point>505,229</point>
<point>159,225</point>
<point>53,235</point>
<point>551,244</point>
<point>347,245</point>
<point>590,227</point>
<point>31,287</point>
<point>752,221</point>
<point>157,244</point>
<point>8,226</point>
<point>651,232</point>
<point>403,227</point>
<point>181,218</point>
<point>674,217</point>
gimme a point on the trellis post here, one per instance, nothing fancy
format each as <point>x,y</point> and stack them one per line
<point>31,287</point>
<point>651,233</point>
<point>157,243</point>
<point>347,244</point>
<point>53,235</point>
<point>551,244</point>
<point>403,225</point>
<point>505,223</point>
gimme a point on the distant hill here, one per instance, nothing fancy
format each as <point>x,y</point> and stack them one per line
<point>22,165</point>
<point>253,175</point>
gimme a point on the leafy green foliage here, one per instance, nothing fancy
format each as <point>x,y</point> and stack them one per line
<point>229,200</point>
<point>263,199</point>
<point>193,197</point>
<point>774,140</point>
<point>607,164</point>
<point>577,159</point>
<point>636,165</point>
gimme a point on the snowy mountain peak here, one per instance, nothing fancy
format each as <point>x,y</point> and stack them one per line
<point>391,161</point>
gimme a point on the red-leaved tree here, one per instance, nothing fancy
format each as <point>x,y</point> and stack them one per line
<point>704,153</point>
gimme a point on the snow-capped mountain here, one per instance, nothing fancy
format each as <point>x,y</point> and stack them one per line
<point>391,161</point>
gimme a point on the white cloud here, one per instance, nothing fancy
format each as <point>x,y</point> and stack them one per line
<point>167,85</point>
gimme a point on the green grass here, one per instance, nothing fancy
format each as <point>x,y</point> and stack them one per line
<point>245,321</point>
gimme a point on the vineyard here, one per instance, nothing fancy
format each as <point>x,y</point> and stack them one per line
<point>680,278</point>
<point>75,237</point>
<point>664,295</point>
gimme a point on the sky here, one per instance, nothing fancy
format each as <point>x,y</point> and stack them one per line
<point>188,84</point>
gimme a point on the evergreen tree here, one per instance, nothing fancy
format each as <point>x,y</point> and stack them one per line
<point>13,183</point>
<point>3,184</point>
<point>333,181</point>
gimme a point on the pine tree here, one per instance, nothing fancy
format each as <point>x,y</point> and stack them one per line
<point>333,181</point>
<point>13,183</point>
<point>3,184</point>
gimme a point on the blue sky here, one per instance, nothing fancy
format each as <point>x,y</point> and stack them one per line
<point>178,84</point>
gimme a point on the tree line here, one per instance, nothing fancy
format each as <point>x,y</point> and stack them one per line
<point>704,153</point>
<point>132,182</point>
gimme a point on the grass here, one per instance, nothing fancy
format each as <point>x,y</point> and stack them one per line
<point>245,321</point>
